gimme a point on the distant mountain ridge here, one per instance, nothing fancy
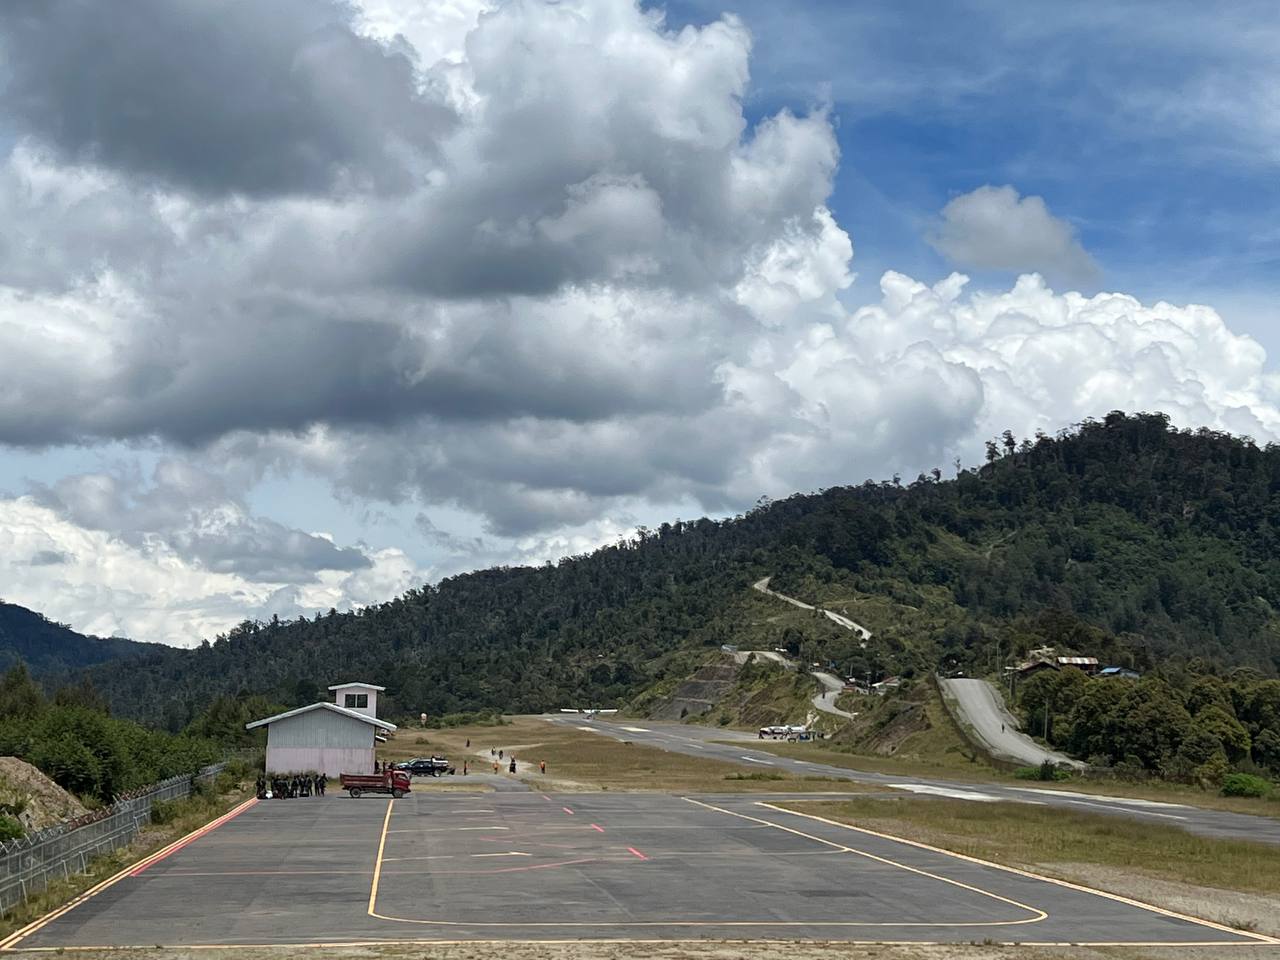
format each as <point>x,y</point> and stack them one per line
<point>1124,538</point>
<point>49,648</point>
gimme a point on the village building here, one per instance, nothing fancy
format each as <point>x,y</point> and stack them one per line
<point>329,737</point>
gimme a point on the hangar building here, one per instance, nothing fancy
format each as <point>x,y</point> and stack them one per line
<point>330,737</point>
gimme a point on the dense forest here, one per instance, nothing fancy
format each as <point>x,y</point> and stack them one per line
<point>73,739</point>
<point>48,648</point>
<point>1123,538</point>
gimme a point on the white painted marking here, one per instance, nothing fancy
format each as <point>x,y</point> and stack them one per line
<point>635,730</point>
<point>1103,798</point>
<point>945,792</point>
<point>754,760</point>
<point>509,853</point>
<point>588,729</point>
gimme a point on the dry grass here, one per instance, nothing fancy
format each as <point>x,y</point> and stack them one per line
<point>579,759</point>
<point>1025,835</point>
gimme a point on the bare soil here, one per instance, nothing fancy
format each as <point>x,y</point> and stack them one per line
<point>43,802</point>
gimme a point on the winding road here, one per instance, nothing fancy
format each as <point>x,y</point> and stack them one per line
<point>989,721</point>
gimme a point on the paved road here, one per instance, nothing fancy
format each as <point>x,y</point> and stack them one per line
<point>982,707</point>
<point>763,587</point>
<point>832,687</point>
<point>580,866</point>
<point>695,740</point>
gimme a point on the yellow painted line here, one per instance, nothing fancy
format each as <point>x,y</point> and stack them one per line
<point>377,864</point>
<point>1037,915</point>
<point>442,942</point>
<point>11,941</point>
<point>1129,901</point>
<point>1040,914</point>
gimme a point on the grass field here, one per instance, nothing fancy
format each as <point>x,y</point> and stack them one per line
<point>1024,835</point>
<point>579,759</point>
<point>945,763</point>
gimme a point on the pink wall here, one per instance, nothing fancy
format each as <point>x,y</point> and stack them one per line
<point>329,760</point>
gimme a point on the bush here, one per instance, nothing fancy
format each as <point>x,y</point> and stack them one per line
<point>1047,771</point>
<point>10,829</point>
<point>165,811</point>
<point>1245,785</point>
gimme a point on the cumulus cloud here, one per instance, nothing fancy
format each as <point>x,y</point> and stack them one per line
<point>245,97</point>
<point>528,262</point>
<point>993,228</point>
<point>108,586</point>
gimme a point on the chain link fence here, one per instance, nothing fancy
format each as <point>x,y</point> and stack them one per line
<point>28,865</point>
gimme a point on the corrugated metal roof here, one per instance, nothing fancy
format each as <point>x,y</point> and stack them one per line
<point>1079,661</point>
<point>358,683</point>
<point>326,705</point>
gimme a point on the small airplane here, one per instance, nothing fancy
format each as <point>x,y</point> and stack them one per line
<point>588,712</point>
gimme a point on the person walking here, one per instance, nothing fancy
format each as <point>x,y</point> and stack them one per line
<point>495,768</point>
<point>513,764</point>
<point>499,754</point>
<point>324,779</point>
<point>542,767</point>
<point>468,743</point>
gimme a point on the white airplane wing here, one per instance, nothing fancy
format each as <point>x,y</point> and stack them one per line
<point>570,710</point>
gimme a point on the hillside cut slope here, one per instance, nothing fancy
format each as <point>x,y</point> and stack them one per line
<point>1126,538</point>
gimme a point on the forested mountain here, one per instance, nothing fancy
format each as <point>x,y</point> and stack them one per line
<point>52,648</point>
<point>1124,538</point>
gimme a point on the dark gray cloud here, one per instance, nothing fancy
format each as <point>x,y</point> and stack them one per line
<point>49,558</point>
<point>219,95</point>
<point>194,512</point>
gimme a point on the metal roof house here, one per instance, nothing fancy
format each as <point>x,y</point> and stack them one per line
<point>329,738</point>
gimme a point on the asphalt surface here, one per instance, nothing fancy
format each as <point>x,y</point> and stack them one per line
<point>995,726</point>
<point>531,866</point>
<point>699,741</point>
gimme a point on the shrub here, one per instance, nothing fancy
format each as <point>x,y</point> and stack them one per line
<point>10,829</point>
<point>1245,785</point>
<point>164,811</point>
<point>1048,771</point>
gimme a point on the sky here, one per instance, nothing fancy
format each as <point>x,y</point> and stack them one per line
<point>303,304</point>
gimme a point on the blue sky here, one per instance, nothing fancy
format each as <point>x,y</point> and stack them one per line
<point>1135,122</point>
<point>435,290</point>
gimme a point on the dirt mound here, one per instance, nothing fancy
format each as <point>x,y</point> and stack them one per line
<point>32,798</point>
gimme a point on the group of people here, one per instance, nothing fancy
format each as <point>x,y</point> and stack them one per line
<point>498,755</point>
<point>282,787</point>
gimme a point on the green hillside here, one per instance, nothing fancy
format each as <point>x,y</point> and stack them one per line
<point>49,648</point>
<point>1124,538</point>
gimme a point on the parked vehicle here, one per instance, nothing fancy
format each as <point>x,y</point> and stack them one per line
<point>394,782</point>
<point>426,766</point>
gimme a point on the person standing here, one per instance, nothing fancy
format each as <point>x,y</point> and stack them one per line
<point>464,768</point>
<point>542,767</point>
<point>323,781</point>
<point>513,764</point>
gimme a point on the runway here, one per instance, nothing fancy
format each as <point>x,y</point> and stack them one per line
<point>531,866</point>
<point>699,741</point>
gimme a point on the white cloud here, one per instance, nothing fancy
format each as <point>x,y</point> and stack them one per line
<point>595,296</point>
<point>146,590</point>
<point>993,228</point>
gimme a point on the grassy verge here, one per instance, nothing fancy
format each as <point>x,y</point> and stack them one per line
<point>954,767</point>
<point>1042,837</point>
<point>180,817</point>
<point>579,759</point>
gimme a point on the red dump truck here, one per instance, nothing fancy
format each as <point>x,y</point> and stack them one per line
<point>394,782</point>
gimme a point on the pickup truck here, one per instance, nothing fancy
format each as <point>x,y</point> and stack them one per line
<point>394,782</point>
<point>426,766</point>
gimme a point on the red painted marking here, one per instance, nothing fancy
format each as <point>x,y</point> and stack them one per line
<point>597,828</point>
<point>192,838</point>
<point>546,798</point>
<point>637,853</point>
<point>567,810</point>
